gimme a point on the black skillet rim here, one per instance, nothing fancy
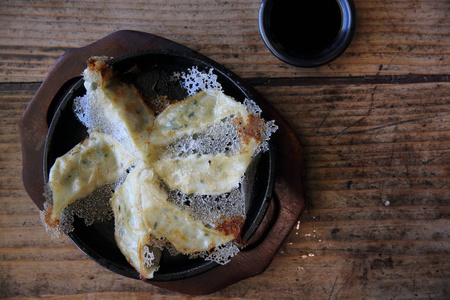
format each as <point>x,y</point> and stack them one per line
<point>205,266</point>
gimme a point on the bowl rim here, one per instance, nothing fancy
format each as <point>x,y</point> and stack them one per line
<point>343,40</point>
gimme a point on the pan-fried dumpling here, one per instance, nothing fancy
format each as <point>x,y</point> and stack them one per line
<point>194,114</point>
<point>114,107</point>
<point>131,233</point>
<point>206,174</point>
<point>97,161</point>
<point>219,137</point>
<point>164,219</point>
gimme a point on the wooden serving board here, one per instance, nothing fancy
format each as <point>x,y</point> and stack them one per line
<point>288,201</point>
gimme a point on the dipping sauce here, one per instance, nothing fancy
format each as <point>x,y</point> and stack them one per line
<point>305,27</point>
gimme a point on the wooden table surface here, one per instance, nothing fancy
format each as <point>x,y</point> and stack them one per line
<point>374,126</point>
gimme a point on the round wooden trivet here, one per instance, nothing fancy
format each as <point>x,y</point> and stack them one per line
<point>287,203</point>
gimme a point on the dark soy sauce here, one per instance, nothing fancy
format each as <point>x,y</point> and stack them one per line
<point>305,27</point>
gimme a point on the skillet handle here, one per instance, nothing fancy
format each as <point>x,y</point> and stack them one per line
<point>35,121</point>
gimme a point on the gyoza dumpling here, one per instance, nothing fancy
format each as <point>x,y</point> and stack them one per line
<point>208,174</point>
<point>114,107</point>
<point>212,163</point>
<point>97,161</point>
<point>193,115</point>
<point>131,233</point>
<point>166,220</point>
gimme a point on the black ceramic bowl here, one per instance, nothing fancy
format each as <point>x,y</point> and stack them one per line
<point>307,33</point>
<point>156,69</point>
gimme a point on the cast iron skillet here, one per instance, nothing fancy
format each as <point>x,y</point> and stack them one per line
<point>156,68</point>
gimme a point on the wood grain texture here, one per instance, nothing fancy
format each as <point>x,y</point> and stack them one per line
<point>394,37</point>
<point>362,152</point>
<point>374,126</point>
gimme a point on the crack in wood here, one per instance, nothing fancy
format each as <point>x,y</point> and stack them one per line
<point>357,80</point>
<point>382,126</point>
<point>304,81</point>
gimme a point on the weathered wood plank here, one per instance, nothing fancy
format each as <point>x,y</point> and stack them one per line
<point>20,220</point>
<point>344,276</point>
<point>24,236</point>
<point>45,253</point>
<point>394,37</point>
<point>348,196</point>
<point>376,157</point>
<point>12,203</point>
<point>383,229</point>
